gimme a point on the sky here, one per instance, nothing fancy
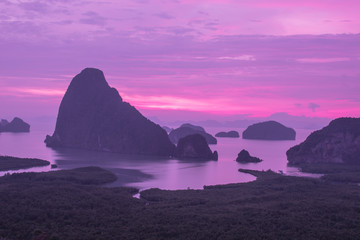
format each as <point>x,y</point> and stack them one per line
<point>184,58</point>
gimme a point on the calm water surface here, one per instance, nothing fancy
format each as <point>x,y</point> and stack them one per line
<point>148,172</point>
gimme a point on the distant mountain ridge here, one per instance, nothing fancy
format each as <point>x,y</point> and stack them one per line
<point>229,134</point>
<point>297,122</point>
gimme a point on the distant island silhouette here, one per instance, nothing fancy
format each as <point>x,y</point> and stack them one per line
<point>230,134</point>
<point>16,125</point>
<point>269,130</point>
<point>188,129</point>
<point>93,116</point>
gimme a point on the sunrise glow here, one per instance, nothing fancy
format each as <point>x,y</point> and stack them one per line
<point>220,57</point>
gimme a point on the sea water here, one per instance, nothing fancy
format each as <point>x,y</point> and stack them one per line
<point>146,172</point>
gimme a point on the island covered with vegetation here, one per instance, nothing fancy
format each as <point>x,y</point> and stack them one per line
<point>14,163</point>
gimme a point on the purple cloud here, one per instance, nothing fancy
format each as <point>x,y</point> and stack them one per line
<point>164,15</point>
<point>216,56</point>
<point>313,106</point>
<point>38,7</point>
<point>92,18</point>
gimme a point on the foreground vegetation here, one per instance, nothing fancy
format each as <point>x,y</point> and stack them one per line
<point>83,176</point>
<point>57,206</point>
<point>13,163</point>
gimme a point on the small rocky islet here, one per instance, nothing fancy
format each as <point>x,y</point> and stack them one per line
<point>16,125</point>
<point>230,134</point>
<point>245,157</point>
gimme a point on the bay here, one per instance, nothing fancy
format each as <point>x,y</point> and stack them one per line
<point>146,172</point>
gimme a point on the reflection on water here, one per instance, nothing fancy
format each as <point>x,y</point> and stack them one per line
<point>147,172</point>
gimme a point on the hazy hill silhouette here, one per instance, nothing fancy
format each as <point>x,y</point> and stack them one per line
<point>16,125</point>
<point>269,130</point>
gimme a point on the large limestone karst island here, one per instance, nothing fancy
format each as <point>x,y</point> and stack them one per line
<point>93,116</point>
<point>339,142</point>
<point>269,130</point>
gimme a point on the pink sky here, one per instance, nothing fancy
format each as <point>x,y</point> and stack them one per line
<point>216,57</point>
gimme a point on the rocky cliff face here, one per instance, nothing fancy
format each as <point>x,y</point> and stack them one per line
<point>339,142</point>
<point>93,116</point>
<point>167,129</point>
<point>4,122</point>
<point>16,125</point>
<point>269,130</point>
<point>194,147</point>
<point>189,129</point>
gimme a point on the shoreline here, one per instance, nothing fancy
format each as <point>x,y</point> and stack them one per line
<point>128,177</point>
<point>9,163</point>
